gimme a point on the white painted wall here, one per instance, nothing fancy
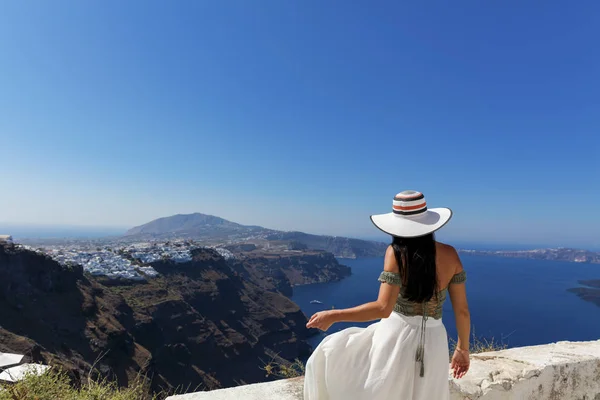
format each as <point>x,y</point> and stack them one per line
<point>558,371</point>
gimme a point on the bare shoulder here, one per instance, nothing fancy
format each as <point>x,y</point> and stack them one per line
<point>448,256</point>
<point>389,252</point>
<point>445,250</point>
<point>390,264</point>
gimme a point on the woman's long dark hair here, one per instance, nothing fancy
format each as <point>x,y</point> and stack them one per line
<point>416,260</point>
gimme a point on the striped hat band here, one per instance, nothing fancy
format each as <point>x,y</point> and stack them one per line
<point>409,202</point>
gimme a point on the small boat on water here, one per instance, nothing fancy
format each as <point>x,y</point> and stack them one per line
<point>316,302</point>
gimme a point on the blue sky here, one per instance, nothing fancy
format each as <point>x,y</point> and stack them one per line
<point>303,115</point>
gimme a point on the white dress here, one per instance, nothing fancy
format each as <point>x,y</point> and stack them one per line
<point>379,362</point>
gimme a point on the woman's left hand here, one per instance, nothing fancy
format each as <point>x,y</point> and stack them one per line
<point>321,320</point>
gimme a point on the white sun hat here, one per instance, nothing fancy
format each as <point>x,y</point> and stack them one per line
<point>410,216</point>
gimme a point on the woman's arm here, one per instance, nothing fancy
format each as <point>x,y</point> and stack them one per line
<point>458,296</point>
<point>380,308</point>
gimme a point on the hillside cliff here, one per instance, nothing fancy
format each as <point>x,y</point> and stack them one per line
<point>199,323</point>
<point>282,271</point>
<point>342,247</point>
<point>57,316</point>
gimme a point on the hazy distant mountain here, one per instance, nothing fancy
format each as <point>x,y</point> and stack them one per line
<point>207,227</point>
<point>196,226</point>
<point>558,254</point>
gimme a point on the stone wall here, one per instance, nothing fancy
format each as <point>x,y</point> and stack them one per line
<point>558,371</point>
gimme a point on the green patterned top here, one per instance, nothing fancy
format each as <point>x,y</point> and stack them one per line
<point>432,308</point>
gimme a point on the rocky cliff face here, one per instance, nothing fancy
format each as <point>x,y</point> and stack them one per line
<point>56,315</point>
<point>201,324</point>
<point>282,271</point>
<point>342,247</point>
<point>208,325</point>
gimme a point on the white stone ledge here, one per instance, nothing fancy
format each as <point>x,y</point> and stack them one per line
<point>285,389</point>
<point>557,371</point>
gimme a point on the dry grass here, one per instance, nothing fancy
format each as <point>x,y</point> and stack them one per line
<point>479,344</point>
<point>56,385</point>
<point>284,369</point>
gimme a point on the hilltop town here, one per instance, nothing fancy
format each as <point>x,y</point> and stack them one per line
<point>133,261</point>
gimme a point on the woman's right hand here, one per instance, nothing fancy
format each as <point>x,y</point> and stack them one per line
<point>460,363</point>
<point>321,320</point>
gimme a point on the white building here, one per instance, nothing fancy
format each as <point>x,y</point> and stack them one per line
<point>6,239</point>
<point>10,359</point>
<point>19,372</point>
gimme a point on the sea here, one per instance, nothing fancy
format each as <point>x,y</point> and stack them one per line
<point>516,302</point>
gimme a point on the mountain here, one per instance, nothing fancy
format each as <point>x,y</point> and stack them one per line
<point>193,225</point>
<point>218,230</point>
<point>203,323</point>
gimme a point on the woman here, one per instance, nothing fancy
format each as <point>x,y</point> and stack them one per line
<point>404,355</point>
